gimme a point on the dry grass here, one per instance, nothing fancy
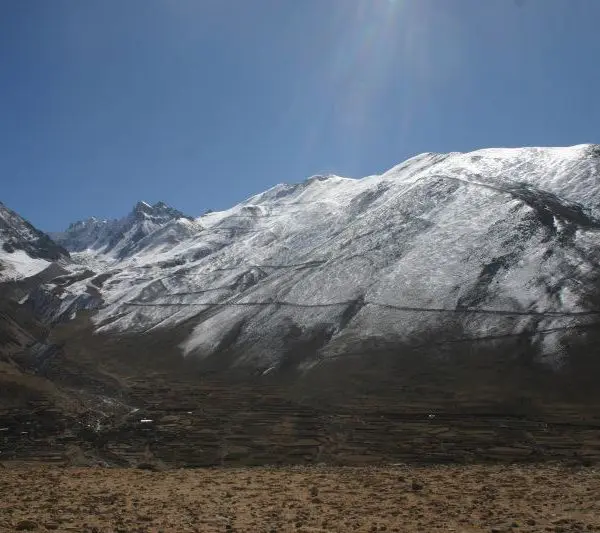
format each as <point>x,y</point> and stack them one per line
<point>315,499</point>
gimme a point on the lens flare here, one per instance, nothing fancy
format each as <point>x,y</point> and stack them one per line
<point>383,53</point>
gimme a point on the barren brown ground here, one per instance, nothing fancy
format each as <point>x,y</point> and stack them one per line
<point>310,499</point>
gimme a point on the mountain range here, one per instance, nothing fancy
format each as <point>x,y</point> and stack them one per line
<point>449,272</point>
<point>494,242</point>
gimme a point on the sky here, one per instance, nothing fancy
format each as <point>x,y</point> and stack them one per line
<point>202,103</point>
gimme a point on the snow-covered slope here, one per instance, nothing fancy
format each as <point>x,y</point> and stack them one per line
<point>24,250</point>
<point>486,244</point>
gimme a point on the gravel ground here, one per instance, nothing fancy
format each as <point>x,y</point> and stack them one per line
<point>310,499</point>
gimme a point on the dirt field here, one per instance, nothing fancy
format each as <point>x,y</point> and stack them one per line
<point>314,499</point>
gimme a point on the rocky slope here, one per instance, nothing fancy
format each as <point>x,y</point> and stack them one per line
<point>24,250</point>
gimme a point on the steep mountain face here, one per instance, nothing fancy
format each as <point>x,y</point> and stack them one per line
<point>484,245</point>
<point>120,239</point>
<point>24,250</point>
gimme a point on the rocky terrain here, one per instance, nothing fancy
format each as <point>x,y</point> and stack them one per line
<point>399,498</point>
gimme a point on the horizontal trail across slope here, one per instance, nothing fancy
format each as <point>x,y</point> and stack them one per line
<point>503,312</point>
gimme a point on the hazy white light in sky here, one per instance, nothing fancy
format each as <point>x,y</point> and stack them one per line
<point>380,49</point>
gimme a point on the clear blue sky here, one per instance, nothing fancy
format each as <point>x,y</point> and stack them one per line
<point>201,103</point>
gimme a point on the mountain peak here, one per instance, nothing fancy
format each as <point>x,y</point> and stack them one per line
<point>159,209</point>
<point>142,208</point>
<point>119,236</point>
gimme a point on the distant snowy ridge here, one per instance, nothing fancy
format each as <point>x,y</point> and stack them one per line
<point>124,237</point>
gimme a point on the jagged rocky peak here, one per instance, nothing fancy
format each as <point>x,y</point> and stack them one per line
<point>88,222</point>
<point>160,210</point>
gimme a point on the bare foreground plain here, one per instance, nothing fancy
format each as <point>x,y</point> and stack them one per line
<point>311,499</point>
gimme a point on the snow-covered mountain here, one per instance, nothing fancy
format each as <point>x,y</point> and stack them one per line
<point>24,250</point>
<point>483,245</point>
<point>122,238</point>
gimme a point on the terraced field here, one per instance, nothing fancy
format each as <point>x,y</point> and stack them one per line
<point>200,424</point>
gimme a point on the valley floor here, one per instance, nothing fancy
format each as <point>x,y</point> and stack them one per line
<point>311,499</point>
